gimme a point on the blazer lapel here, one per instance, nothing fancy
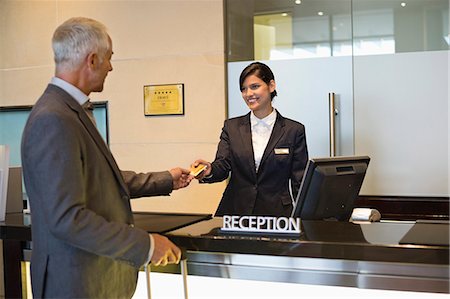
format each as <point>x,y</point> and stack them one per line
<point>90,127</point>
<point>246,139</point>
<point>277,133</point>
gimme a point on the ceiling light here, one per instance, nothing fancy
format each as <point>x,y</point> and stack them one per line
<point>298,1</point>
<point>320,13</point>
<point>403,4</point>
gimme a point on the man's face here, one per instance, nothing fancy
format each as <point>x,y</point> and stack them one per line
<point>102,67</point>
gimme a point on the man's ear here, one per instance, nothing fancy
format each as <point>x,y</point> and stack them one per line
<point>92,60</point>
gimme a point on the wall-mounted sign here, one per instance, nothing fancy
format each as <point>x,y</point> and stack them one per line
<point>164,99</point>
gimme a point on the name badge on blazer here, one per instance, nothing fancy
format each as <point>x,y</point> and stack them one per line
<point>282,151</point>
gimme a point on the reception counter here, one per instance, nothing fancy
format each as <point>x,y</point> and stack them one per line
<point>411,256</point>
<point>391,255</point>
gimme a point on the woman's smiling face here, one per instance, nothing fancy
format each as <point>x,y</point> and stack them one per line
<point>256,94</point>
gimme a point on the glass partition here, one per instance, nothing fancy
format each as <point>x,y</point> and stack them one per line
<point>288,29</point>
<point>308,45</point>
<point>385,61</point>
<point>401,95</point>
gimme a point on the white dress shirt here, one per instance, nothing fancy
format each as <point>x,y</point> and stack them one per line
<point>261,131</point>
<point>77,94</point>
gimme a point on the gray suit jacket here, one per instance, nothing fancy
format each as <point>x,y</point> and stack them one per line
<point>84,242</point>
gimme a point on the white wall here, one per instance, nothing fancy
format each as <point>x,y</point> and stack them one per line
<point>169,286</point>
<point>154,42</point>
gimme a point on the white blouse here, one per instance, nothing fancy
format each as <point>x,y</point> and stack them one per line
<point>261,131</point>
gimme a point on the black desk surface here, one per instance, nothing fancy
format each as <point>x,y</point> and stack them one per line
<point>18,226</point>
<point>336,240</point>
<point>166,222</point>
<point>322,239</point>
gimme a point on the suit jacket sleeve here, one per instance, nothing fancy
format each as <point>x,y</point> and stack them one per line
<point>148,184</point>
<point>221,166</point>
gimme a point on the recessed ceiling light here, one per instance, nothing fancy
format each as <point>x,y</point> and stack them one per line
<point>298,1</point>
<point>284,14</point>
<point>403,4</point>
<point>320,13</point>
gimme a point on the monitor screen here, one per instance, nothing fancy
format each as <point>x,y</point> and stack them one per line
<point>330,187</point>
<point>15,117</point>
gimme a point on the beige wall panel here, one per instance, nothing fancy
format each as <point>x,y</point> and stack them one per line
<point>151,156</point>
<point>197,198</point>
<point>23,86</point>
<point>144,157</point>
<point>155,28</point>
<point>204,100</point>
<point>26,28</point>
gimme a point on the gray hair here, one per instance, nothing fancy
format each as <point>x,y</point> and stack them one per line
<point>74,39</point>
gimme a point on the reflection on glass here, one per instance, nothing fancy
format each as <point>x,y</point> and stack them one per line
<point>373,32</point>
<point>283,29</point>
<point>384,27</point>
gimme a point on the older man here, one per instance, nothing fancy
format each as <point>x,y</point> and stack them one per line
<point>84,242</point>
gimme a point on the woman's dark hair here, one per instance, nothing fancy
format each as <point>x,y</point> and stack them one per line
<point>261,71</point>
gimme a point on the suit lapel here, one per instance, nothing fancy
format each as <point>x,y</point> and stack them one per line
<point>90,127</point>
<point>277,133</point>
<point>247,145</point>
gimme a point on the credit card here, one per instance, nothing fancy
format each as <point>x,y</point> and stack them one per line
<point>195,171</point>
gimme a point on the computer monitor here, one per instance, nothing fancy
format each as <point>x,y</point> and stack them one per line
<point>330,187</point>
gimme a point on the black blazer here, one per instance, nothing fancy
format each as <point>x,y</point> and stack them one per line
<point>265,192</point>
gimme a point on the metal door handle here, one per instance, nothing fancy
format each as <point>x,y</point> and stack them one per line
<point>332,114</point>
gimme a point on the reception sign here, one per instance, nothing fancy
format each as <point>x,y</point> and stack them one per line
<point>261,224</point>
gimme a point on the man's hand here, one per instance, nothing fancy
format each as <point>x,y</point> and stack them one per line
<point>181,177</point>
<point>165,251</point>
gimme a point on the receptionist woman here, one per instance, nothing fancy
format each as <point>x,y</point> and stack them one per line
<point>263,153</point>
